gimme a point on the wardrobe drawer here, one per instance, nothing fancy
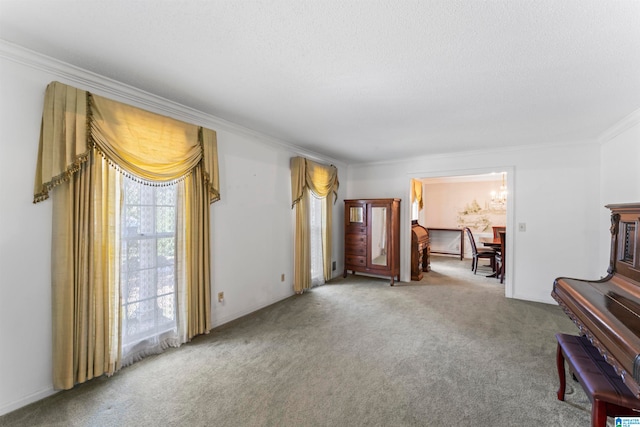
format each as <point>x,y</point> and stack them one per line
<point>356,229</point>
<point>355,239</point>
<point>359,261</point>
<point>358,249</point>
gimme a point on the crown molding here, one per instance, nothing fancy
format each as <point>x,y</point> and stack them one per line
<point>104,86</point>
<point>623,125</point>
<point>496,150</point>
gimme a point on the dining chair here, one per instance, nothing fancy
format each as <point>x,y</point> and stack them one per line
<point>500,256</point>
<point>497,229</point>
<point>477,253</point>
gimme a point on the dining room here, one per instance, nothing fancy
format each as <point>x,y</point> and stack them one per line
<point>465,216</point>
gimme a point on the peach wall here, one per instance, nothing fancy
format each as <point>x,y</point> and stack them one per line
<point>445,204</point>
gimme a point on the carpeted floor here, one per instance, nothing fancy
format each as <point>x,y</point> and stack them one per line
<point>448,350</point>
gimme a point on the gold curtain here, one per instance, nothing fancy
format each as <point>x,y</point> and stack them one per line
<point>85,262</point>
<point>322,180</point>
<point>82,139</point>
<point>63,138</point>
<point>198,295</point>
<point>302,246</point>
<point>416,193</point>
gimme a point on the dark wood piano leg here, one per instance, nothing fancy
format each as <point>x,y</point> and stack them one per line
<point>599,413</point>
<point>561,374</point>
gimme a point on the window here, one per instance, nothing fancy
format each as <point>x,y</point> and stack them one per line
<point>148,265</point>
<point>98,291</point>
<point>315,237</point>
<point>415,210</point>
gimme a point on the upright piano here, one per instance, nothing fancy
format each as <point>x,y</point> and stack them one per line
<point>607,311</point>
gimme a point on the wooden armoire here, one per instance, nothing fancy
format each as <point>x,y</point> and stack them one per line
<point>372,237</point>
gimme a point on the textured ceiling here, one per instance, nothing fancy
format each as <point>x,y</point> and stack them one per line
<point>362,81</point>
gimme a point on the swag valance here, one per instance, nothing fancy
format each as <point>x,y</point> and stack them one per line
<point>321,179</point>
<point>139,143</point>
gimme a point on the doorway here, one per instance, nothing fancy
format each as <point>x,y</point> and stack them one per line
<point>478,199</point>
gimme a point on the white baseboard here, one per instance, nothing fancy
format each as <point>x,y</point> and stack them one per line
<point>26,400</point>
<point>216,322</point>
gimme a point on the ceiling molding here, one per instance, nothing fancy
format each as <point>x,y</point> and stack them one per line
<point>623,125</point>
<point>496,150</point>
<point>104,86</point>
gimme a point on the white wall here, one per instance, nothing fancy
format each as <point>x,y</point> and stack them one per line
<point>620,169</point>
<point>253,227</point>
<point>25,244</point>
<point>553,189</point>
<point>252,224</point>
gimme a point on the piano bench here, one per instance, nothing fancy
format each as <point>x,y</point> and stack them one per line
<point>607,392</point>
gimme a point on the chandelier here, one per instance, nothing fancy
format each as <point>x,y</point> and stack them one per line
<point>499,198</point>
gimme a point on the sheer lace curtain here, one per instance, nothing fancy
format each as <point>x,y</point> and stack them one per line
<point>152,279</point>
<point>315,240</point>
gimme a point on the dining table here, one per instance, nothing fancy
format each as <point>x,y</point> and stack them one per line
<point>491,242</point>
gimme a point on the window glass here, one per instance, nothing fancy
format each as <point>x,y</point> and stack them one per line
<point>148,269</point>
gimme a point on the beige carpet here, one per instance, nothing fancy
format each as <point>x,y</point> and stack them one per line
<point>449,350</point>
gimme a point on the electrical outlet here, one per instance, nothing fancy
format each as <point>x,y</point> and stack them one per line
<point>282,277</point>
<point>333,266</point>
<point>220,296</point>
